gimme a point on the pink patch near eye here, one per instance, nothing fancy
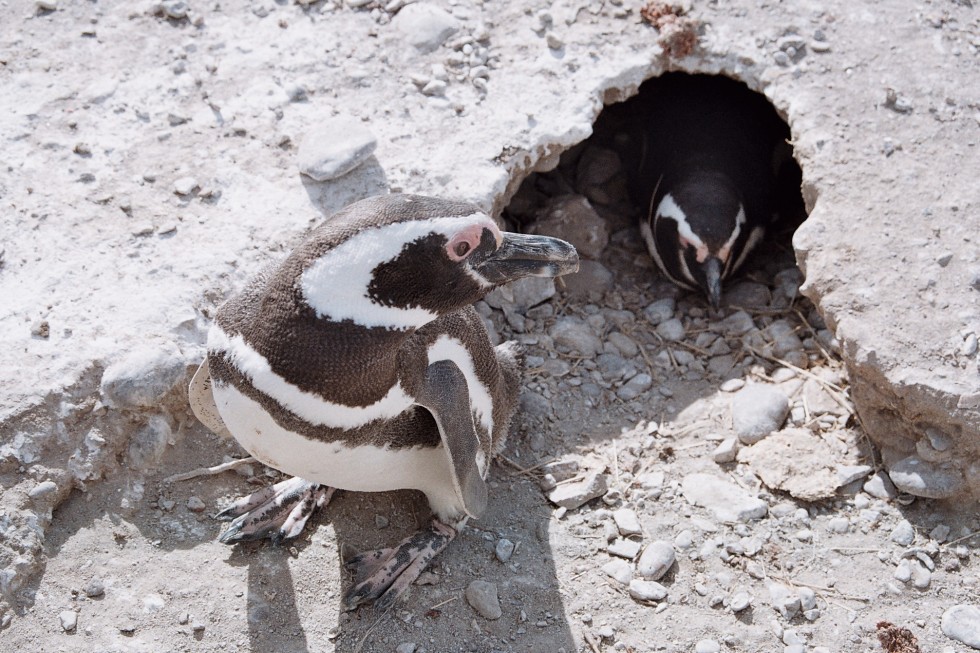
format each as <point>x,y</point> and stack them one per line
<point>464,242</point>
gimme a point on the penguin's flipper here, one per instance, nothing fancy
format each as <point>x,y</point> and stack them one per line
<point>384,575</point>
<point>446,395</point>
<point>278,512</point>
<point>201,399</point>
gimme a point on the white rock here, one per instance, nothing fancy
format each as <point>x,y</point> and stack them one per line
<point>725,452</point>
<point>574,495</point>
<point>962,623</point>
<point>69,620</point>
<point>334,147</point>
<point>618,570</point>
<point>656,559</point>
<point>185,185</point>
<point>482,596</point>
<point>707,646</point>
<point>624,548</point>
<point>647,590</point>
<point>850,473</point>
<point>740,601</point>
<point>903,534</point>
<point>405,647</point>
<point>757,411</point>
<point>627,522</point>
<point>729,502</point>
<point>808,599</point>
<point>784,600</point>
<point>425,25</point>
<point>881,487</point>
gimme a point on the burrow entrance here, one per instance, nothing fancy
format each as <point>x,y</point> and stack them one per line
<point>622,337</point>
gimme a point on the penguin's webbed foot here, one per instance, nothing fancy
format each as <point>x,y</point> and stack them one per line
<point>279,512</point>
<point>384,574</point>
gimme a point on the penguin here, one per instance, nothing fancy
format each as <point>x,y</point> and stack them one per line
<point>710,151</point>
<point>359,363</point>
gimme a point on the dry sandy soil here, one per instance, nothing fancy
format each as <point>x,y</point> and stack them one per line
<point>110,106</point>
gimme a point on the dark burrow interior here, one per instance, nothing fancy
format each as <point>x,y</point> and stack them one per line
<point>614,172</point>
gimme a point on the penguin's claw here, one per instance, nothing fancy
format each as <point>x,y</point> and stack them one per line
<point>384,575</point>
<point>278,512</point>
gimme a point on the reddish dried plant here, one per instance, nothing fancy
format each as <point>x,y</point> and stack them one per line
<point>678,33</point>
<point>895,639</point>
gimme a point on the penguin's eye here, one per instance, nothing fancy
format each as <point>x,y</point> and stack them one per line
<point>464,242</point>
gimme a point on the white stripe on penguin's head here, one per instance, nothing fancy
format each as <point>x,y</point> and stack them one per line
<point>336,284</point>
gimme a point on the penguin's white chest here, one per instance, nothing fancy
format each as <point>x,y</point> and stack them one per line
<point>363,468</point>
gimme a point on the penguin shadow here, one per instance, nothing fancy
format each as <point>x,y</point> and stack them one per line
<point>366,180</point>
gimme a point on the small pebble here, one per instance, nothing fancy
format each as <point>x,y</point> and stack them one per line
<point>406,647</point>
<point>619,570</point>
<point>627,522</point>
<point>95,588</point>
<point>707,646</point>
<point>482,597</point>
<point>504,550</point>
<point>656,559</point>
<point>624,548</point>
<point>647,590</point>
<point>757,411</point>
<point>194,504</point>
<point>185,185</point>
<point>903,534</point>
<point>69,620</point>
<point>726,451</point>
<point>740,601</point>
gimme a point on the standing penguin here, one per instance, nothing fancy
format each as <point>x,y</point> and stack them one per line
<point>707,167</point>
<point>359,363</point>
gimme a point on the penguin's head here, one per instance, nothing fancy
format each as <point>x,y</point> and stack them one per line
<point>697,232</point>
<point>400,261</point>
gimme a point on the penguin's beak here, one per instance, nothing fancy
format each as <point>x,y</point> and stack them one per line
<point>521,255</point>
<point>712,280</point>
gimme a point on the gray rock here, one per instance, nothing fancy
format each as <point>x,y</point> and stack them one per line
<point>531,291</point>
<point>425,25</point>
<point>624,548</point>
<point>175,9</point>
<point>95,588</point>
<point>671,330</point>
<point>915,476</point>
<point>736,324</point>
<point>647,590</point>
<point>727,501</point>
<point>574,495</point>
<point>334,147</point>
<point>635,387</point>
<point>624,344</point>
<point>504,549</point>
<point>903,534</point>
<point>619,570</point>
<point>657,558</point>
<point>881,487</point>
<point>757,411</point>
<point>405,647</point>
<point>572,332</point>
<point>572,218</point>
<point>482,597</point>
<point>149,443</point>
<point>747,294</point>
<point>660,310</point>
<point>194,504</point>
<point>962,624</point>
<point>627,522</point>
<point>903,571</point>
<point>784,600</point>
<point>143,377</point>
<point>69,620</point>
<point>592,278</point>
<point>596,167</point>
